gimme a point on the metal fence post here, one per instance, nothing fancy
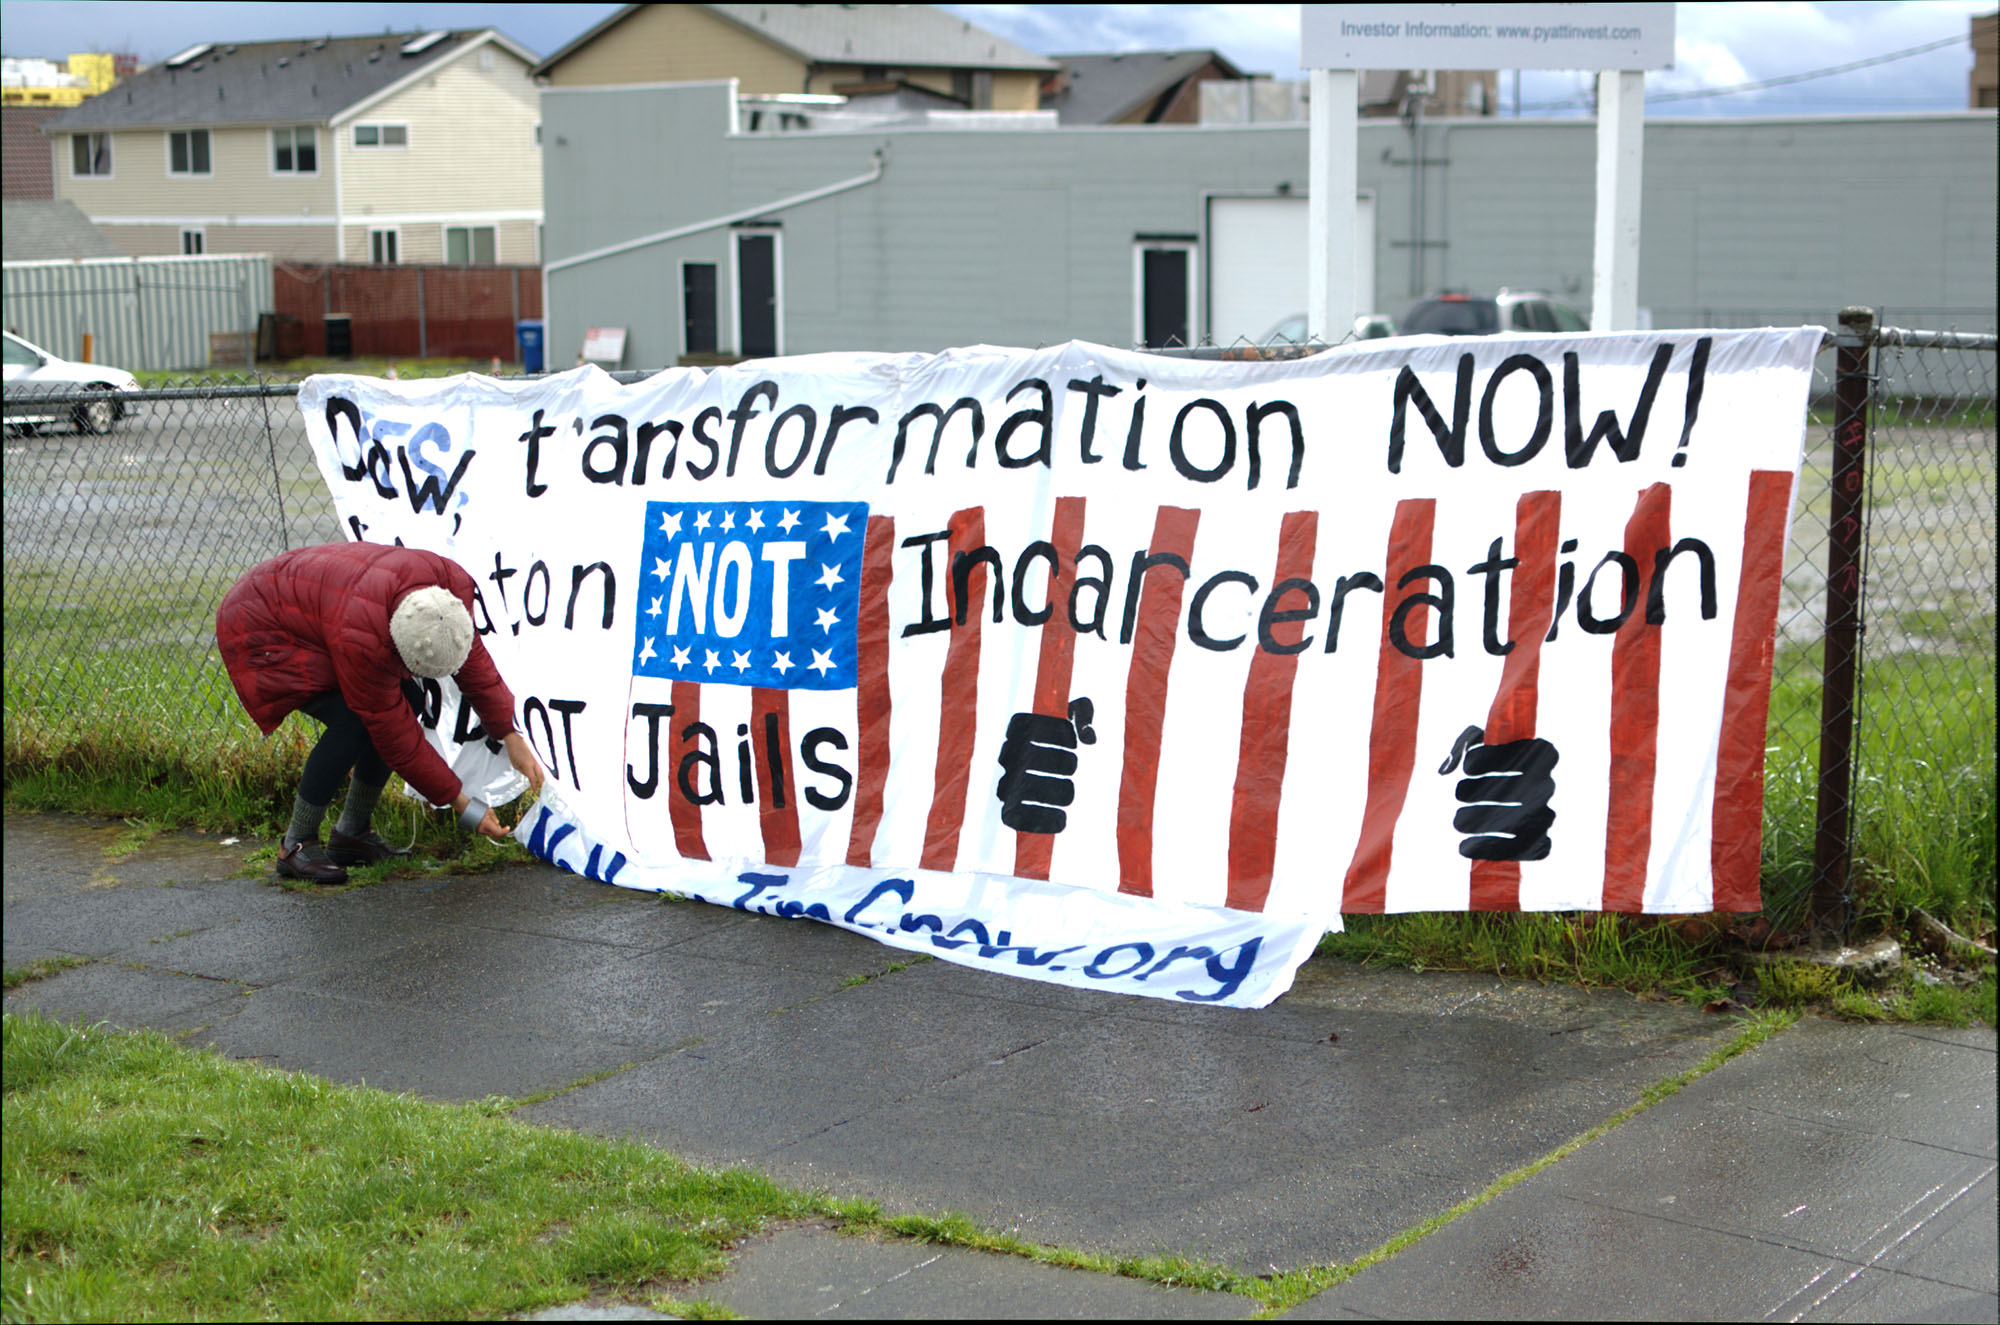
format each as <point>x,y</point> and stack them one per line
<point>1834,818</point>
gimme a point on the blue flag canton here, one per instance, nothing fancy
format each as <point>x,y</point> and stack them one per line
<point>751,593</point>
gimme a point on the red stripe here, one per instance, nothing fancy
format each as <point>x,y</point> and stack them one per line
<point>1392,735</point>
<point>1736,850</point>
<point>959,702</point>
<point>1267,723</point>
<point>1033,852</point>
<point>777,788</point>
<point>684,813</point>
<point>1496,884</point>
<point>871,691</point>
<point>1158,626</point>
<point>1635,712</point>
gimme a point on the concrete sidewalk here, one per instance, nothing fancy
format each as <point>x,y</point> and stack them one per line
<point>1835,1172</point>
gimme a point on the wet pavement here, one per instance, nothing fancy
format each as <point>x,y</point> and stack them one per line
<point>1833,1172</point>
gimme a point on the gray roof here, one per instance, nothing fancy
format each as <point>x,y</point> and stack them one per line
<point>904,36</point>
<point>311,80</point>
<point>47,231</point>
<point>1103,88</point>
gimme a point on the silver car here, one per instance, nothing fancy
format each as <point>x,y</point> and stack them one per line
<point>89,394</point>
<point>1455,314</point>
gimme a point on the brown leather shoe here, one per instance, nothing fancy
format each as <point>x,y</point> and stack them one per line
<point>363,850</point>
<point>308,862</point>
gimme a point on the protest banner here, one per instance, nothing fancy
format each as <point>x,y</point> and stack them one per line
<point>1118,670</point>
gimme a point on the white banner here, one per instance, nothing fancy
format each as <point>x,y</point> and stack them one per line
<point>1116,670</point>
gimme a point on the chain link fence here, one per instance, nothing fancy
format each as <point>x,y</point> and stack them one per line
<point>119,545</point>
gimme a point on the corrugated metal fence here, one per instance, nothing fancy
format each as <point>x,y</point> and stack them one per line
<point>141,313</point>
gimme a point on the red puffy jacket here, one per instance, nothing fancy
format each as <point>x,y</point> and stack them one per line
<point>317,619</point>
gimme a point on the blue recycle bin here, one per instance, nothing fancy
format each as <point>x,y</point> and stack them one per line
<point>528,337</point>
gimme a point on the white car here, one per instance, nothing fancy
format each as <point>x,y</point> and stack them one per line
<point>33,372</point>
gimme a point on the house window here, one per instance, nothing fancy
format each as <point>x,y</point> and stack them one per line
<point>973,87</point>
<point>470,245</point>
<point>382,247</point>
<point>194,242</point>
<point>90,153</point>
<point>295,151</point>
<point>381,135</point>
<point>187,152</point>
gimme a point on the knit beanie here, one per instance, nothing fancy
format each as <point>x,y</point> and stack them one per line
<point>432,631</point>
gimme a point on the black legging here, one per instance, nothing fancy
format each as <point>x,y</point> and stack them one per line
<point>342,746</point>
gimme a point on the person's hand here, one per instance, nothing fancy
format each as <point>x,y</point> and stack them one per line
<point>522,756</point>
<point>489,826</point>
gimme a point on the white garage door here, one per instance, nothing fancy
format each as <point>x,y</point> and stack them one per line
<point>1257,264</point>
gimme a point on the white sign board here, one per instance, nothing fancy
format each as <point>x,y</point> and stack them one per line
<point>1611,36</point>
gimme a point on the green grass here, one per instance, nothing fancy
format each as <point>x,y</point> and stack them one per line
<point>41,969</point>
<point>1600,951</point>
<point>146,1182</point>
<point>297,370</point>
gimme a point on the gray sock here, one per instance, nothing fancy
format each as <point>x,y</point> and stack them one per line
<point>359,809</point>
<point>306,819</point>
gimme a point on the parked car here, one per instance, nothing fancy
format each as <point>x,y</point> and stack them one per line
<point>33,373</point>
<point>1457,314</point>
<point>1292,331</point>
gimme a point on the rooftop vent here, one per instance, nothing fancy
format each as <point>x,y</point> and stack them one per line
<point>418,45</point>
<point>191,53</point>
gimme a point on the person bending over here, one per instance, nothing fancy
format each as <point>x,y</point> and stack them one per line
<point>339,632</point>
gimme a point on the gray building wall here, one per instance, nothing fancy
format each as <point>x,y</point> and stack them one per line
<point>1025,237</point>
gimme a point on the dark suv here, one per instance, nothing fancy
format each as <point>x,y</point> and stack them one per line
<point>1477,315</point>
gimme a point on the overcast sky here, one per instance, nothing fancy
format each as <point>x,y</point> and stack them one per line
<point>1717,45</point>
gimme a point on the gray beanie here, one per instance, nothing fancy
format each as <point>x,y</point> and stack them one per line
<point>432,631</point>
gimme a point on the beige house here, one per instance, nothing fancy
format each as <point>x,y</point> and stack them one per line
<point>410,148</point>
<point>848,50</point>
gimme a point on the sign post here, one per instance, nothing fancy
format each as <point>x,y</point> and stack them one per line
<point>1622,40</point>
<point>1332,179</point>
<point>1621,127</point>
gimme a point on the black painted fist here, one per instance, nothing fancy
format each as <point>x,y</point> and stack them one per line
<point>1037,759</point>
<point>1506,792</point>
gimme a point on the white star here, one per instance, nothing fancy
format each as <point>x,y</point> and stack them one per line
<point>670,523</point>
<point>827,620</point>
<point>742,663</point>
<point>728,521</point>
<point>680,656</point>
<point>783,664</point>
<point>711,662</point>
<point>822,662</point>
<point>756,521</point>
<point>654,610</point>
<point>789,521</point>
<point>828,576</point>
<point>836,525</point>
<point>701,519</point>
<point>646,654</point>
<point>660,568</point>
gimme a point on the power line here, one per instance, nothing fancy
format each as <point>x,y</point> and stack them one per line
<point>1693,94</point>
